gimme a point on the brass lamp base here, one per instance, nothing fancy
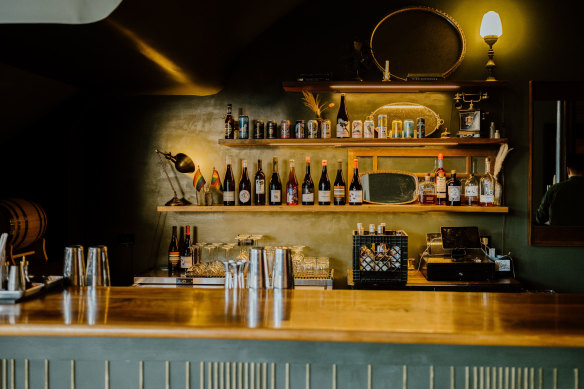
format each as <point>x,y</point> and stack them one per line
<point>491,40</point>
<point>175,201</point>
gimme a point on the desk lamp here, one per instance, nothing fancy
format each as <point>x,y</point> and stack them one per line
<point>491,30</point>
<point>182,163</point>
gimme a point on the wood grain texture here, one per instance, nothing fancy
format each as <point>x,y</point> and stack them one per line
<point>518,319</point>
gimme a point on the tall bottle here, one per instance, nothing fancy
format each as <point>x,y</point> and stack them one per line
<point>244,186</point>
<point>307,186</point>
<point>292,186</point>
<point>186,255</point>
<point>229,124</point>
<point>324,186</point>
<point>453,187</point>
<point>487,186</point>
<point>471,189</point>
<point>260,186</point>
<point>339,187</point>
<point>229,185</point>
<point>275,185</point>
<point>440,177</point>
<point>173,255</point>
<point>427,191</point>
<point>355,189</point>
<point>343,125</point>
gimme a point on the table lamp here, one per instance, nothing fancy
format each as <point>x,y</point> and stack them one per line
<point>491,30</point>
<point>182,163</point>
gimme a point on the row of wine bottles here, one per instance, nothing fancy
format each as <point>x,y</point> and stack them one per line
<point>305,194</point>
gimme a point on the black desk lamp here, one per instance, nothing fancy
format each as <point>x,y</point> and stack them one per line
<point>182,163</point>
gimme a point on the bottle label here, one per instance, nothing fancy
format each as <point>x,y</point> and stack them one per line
<point>339,192</point>
<point>324,196</point>
<point>369,129</point>
<point>173,258</point>
<point>342,128</point>
<point>428,198</point>
<point>441,187</point>
<point>244,196</point>
<point>186,262</point>
<point>229,196</point>
<point>260,186</point>
<point>454,193</point>
<point>355,196</point>
<point>275,196</point>
<point>487,199</point>
<point>228,130</point>
<point>308,197</point>
<point>292,196</point>
<point>471,191</point>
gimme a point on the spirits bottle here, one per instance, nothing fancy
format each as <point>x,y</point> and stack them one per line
<point>292,186</point>
<point>307,186</point>
<point>487,186</point>
<point>260,186</point>
<point>440,175</point>
<point>427,191</point>
<point>324,186</point>
<point>229,185</point>
<point>244,186</point>
<point>339,188</point>
<point>355,189</point>
<point>453,187</point>
<point>471,190</point>
<point>343,125</point>
<point>275,185</point>
<point>173,255</point>
<point>229,124</point>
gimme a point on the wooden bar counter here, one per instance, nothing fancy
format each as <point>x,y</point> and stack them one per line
<point>207,333</point>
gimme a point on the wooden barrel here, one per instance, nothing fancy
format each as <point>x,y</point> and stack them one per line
<point>24,220</point>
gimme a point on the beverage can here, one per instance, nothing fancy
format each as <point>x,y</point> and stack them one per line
<point>285,129</point>
<point>396,129</point>
<point>272,129</point>
<point>382,120</point>
<point>369,128</point>
<point>382,132</point>
<point>325,131</point>
<point>312,132</point>
<point>357,129</point>
<point>258,129</point>
<point>299,129</point>
<point>421,127</point>
<point>408,129</point>
<point>243,127</point>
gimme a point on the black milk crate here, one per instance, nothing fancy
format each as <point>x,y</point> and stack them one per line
<point>392,268</point>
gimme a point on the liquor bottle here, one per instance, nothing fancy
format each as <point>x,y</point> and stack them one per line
<point>229,124</point>
<point>275,185</point>
<point>260,186</point>
<point>292,186</point>
<point>453,187</point>
<point>487,186</point>
<point>471,190</point>
<point>343,124</point>
<point>339,191</point>
<point>307,186</point>
<point>229,185</point>
<point>427,191</point>
<point>244,186</point>
<point>355,189</point>
<point>440,175</point>
<point>324,186</point>
<point>173,255</point>
<point>186,255</point>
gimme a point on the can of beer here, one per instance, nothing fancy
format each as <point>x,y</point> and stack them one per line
<point>369,128</point>
<point>396,129</point>
<point>382,132</point>
<point>285,129</point>
<point>421,127</point>
<point>258,129</point>
<point>272,129</point>
<point>408,129</point>
<point>312,132</point>
<point>299,129</point>
<point>243,127</point>
<point>382,120</point>
<point>325,131</point>
<point>357,129</point>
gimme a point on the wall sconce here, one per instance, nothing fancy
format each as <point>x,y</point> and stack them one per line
<point>491,30</point>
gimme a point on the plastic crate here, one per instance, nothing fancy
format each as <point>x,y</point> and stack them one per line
<point>389,270</point>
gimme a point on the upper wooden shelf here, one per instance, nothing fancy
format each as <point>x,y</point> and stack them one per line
<point>358,142</point>
<point>392,86</point>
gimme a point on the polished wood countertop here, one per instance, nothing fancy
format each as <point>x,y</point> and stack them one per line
<point>461,318</point>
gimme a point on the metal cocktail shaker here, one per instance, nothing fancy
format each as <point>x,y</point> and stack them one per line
<point>74,266</point>
<point>283,273</point>
<point>257,271</point>
<point>97,267</point>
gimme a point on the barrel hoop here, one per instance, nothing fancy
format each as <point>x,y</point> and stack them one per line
<point>14,220</point>
<point>25,224</point>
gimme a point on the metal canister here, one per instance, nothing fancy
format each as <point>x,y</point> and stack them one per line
<point>369,128</point>
<point>357,129</point>
<point>299,129</point>
<point>312,128</point>
<point>258,129</point>
<point>272,127</point>
<point>396,129</point>
<point>325,131</point>
<point>285,129</point>
<point>408,129</point>
<point>382,120</point>
<point>421,127</point>
<point>243,127</point>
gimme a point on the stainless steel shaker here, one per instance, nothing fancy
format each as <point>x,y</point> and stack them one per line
<point>97,267</point>
<point>283,273</point>
<point>74,266</point>
<point>257,271</point>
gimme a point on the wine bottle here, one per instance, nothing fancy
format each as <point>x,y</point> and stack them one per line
<point>292,186</point>
<point>343,124</point>
<point>229,124</point>
<point>307,186</point>
<point>186,255</point>
<point>244,186</point>
<point>229,185</point>
<point>355,189</point>
<point>440,177</point>
<point>260,186</point>
<point>324,186</point>
<point>339,191</point>
<point>453,187</point>
<point>275,185</point>
<point>173,254</point>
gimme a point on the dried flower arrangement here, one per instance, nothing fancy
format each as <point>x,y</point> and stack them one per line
<point>314,104</point>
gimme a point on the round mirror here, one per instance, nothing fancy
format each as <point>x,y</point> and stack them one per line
<point>420,41</point>
<point>412,111</point>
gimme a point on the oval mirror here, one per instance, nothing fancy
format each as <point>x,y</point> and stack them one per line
<point>389,187</point>
<point>412,111</point>
<point>418,40</point>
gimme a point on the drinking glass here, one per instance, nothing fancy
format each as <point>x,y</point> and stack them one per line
<point>322,267</point>
<point>298,261</point>
<point>309,266</point>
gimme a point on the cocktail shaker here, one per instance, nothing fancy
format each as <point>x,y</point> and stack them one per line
<point>97,267</point>
<point>283,273</point>
<point>74,266</point>
<point>257,271</point>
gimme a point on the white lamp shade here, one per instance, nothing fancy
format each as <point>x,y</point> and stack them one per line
<point>491,24</point>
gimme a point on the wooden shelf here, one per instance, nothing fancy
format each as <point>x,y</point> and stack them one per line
<point>392,86</point>
<point>360,142</point>
<point>366,208</point>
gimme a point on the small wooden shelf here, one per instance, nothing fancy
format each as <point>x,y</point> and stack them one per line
<point>365,208</point>
<point>392,86</point>
<point>360,142</point>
